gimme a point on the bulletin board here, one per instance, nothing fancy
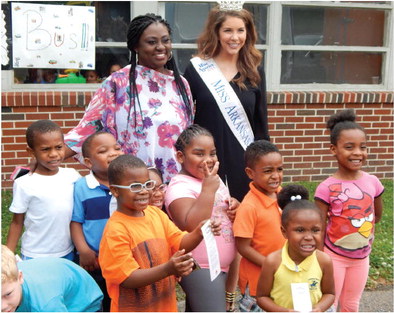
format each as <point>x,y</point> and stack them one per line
<point>53,36</point>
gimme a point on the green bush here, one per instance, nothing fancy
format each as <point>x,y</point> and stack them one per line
<point>6,216</point>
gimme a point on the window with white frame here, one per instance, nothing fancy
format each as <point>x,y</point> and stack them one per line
<point>321,45</point>
<point>309,45</point>
<point>334,43</point>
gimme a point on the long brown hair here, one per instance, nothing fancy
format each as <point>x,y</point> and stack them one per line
<point>249,57</point>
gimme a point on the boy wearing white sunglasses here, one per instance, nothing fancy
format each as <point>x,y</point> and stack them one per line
<point>142,250</point>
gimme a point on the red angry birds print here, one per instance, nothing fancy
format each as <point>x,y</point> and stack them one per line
<point>351,220</point>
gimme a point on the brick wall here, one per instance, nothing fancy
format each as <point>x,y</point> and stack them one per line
<point>296,120</point>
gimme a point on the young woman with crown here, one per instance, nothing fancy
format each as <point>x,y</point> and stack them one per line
<point>228,86</point>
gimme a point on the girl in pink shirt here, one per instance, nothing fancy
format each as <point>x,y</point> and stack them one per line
<point>195,194</point>
<point>351,200</point>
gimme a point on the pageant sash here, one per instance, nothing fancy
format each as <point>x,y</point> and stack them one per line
<point>227,100</point>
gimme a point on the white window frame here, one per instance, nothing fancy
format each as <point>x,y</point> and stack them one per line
<point>273,49</point>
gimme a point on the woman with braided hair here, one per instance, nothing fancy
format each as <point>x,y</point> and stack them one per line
<point>145,105</point>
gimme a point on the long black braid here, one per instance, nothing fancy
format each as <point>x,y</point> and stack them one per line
<point>134,32</point>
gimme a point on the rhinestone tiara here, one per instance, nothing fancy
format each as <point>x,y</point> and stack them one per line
<point>230,5</point>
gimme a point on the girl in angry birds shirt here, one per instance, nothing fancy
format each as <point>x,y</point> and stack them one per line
<point>351,200</point>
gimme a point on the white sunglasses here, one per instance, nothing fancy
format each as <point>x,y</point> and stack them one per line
<point>138,187</point>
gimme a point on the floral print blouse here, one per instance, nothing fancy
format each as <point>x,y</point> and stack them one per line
<point>148,133</point>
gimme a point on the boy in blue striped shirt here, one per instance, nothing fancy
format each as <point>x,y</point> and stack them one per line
<point>92,204</point>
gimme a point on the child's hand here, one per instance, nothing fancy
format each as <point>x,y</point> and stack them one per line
<point>88,260</point>
<point>216,227</point>
<point>181,264</point>
<point>211,179</point>
<point>232,209</point>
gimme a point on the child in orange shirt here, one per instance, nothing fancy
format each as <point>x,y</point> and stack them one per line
<point>141,250</point>
<point>257,223</point>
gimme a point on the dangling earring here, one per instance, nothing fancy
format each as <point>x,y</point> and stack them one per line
<point>169,59</point>
<point>136,56</point>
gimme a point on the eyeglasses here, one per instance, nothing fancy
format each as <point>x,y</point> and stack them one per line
<point>138,187</point>
<point>161,188</point>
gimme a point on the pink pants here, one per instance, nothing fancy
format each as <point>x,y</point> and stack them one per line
<point>350,276</point>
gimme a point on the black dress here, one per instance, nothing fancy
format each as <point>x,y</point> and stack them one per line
<point>229,151</point>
